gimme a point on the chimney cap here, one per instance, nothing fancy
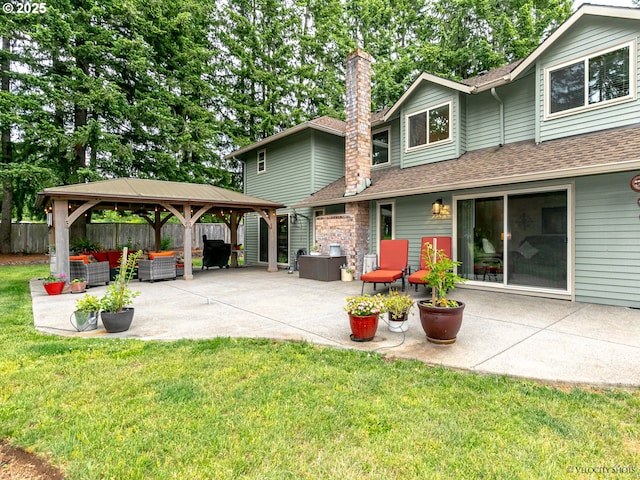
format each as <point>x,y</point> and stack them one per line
<point>358,52</point>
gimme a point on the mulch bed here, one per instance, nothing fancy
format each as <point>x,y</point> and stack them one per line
<point>16,464</point>
<point>24,259</point>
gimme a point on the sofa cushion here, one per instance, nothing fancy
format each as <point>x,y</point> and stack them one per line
<point>100,256</point>
<point>114,258</point>
<point>84,258</point>
<point>153,255</point>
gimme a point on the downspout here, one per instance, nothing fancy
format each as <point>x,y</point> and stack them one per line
<point>495,95</point>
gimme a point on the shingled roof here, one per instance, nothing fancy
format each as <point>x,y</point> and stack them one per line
<point>607,151</point>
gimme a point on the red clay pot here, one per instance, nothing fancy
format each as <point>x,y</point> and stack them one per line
<point>54,288</point>
<point>363,328</point>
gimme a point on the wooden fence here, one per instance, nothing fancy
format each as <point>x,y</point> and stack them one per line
<point>34,237</point>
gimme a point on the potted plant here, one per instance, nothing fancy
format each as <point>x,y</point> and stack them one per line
<point>117,314</point>
<point>364,312</point>
<point>315,249</point>
<point>346,273</point>
<point>78,285</point>
<point>399,307</point>
<point>86,313</point>
<point>54,283</point>
<point>440,317</point>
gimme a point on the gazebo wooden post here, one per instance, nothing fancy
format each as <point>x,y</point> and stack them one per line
<point>61,235</point>
<point>233,226</point>
<point>273,241</point>
<point>188,239</point>
<point>157,229</point>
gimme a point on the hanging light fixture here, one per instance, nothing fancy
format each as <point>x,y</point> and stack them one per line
<point>436,207</point>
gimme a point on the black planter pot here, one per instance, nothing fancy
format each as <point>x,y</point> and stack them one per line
<point>441,324</point>
<point>115,322</point>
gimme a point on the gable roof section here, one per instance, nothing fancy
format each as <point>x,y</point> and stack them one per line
<point>509,73</point>
<point>608,151</point>
<point>585,9</point>
<point>324,124</point>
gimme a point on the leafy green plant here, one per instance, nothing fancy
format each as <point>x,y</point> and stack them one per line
<point>165,243</point>
<point>88,303</point>
<point>364,305</point>
<point>119,294</point>
<point>77,280</point>
<point>397,304</point>
<point>441,276</point>
<point>54,278</point>
<point>80,245</point>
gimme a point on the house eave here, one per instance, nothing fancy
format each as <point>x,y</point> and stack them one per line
<point>558,174</point>
<point>283,134</point>
<point>426,77</point>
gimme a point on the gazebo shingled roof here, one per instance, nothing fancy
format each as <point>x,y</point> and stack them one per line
<point>186,201</point>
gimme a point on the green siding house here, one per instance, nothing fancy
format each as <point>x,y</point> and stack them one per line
<point>532,164</point>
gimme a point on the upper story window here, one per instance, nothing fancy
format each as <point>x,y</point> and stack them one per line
<point>380,152</point>
<point>262,161</point>
<point>592,81</point>
<point>429,126</point>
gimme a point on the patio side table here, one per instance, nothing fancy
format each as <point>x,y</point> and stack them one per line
<point>321,267</point>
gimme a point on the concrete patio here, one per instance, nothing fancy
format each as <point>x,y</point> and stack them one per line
<point>514,335</point>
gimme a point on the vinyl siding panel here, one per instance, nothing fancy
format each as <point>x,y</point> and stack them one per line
<point>483,121</point>
<point>286,179</point>
<point>589,36</point>
<point>519,109</point>
<point>413,221</point>
<point>607,241</point>
<point>483,115</point>
<point>426,96</point>
<point>462,131</point>
<point>328,160</point>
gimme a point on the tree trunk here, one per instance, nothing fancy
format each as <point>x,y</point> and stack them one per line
<point>7,154</point>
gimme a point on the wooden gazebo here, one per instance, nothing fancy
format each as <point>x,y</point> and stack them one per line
<point>147,198</point>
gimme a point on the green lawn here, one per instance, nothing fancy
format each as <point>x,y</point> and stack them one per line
<point>235,408</point>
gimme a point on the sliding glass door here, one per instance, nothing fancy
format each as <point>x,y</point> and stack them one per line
<point>515,239</point>
<point>283,240</point>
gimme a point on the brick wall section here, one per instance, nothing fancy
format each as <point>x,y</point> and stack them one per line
<point>350,231</point>
<point>358,116</point>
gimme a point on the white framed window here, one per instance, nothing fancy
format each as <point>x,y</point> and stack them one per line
<point>385,221</point>
<point>262,161</point>
<point>381,147</point>
<point>429,127</point>
<point>593,81</point>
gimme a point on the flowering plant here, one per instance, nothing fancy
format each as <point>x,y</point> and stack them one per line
<point>398,304</point>
<point>364,305</point>
<point>51,278</point>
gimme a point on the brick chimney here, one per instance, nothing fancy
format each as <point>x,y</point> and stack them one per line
<point>358,113</point>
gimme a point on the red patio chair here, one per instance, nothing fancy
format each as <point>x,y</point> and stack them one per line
<point>439,243</point>
<point>394,264</point>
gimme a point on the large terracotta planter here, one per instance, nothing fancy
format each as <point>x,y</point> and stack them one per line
<point>115,322</point>
<point>441,324</point>
<point>363,328</point>
<point>78,287</point>
<point>54,288</point>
